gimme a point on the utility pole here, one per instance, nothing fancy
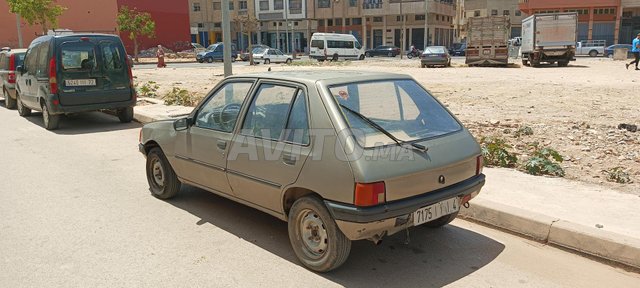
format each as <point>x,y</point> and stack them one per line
<point>226,38</point>
<point>19,30</point>
<point>402,34</point>
<point>286,22</point>
<point>426,24</point>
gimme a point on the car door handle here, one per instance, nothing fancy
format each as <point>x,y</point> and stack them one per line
<point>289,159</point>
<point>222,145</point>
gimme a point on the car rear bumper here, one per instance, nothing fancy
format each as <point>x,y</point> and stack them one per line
<point>438,61</point>
<point>62,109</point>
<point>367,222</point>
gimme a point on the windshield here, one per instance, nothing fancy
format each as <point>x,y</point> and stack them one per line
<point>212,47</point>
<point>401,107</point>
<point>435,50</point>
<point>197,46</point>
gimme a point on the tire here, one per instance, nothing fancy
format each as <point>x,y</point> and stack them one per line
<point>390,54</point>
<point>367,54</point>
<point>409,56</point>
<point>209,60</point>
<point>449,64</point>
<point>423,66</point>
<point>525,62</point>
<point>309,216</point>
<point>267,61</point>
<point>51,122</point>
<point>610,56</point>
<point>361,57</point>
<point>22,110</point>
<point>563,63</point>
<point>163,182</point>
<point>444,220</point>
<point>125,114</point>
<point>335,58</point>
<point>9,102</point>
<point>593,53</point>
<point>200,61</point>
<point>233,60</point>
<point>288,61</point>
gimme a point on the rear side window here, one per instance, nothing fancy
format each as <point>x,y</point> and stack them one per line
<point>78,56</point>
<point>111,56</point>
<point>317,44</point>
<point>43,60</point>
<point>19,59</point>
<point>340,44</point>
<point>3,62</point>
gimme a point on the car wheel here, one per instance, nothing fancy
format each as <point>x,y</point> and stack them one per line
<point>125,114</point>
<point>390,54</point>
<point>525,62</point>
<point>444,220</point>
<point>51,122</point>
<point>563,63</point>
<point>22,110</point>
<point>163,182</point>
<point>335,58</point>
<point>267,61</point>
<point>367,54</point>
<point>9,102</point>
<point>361,57</point>
<point>315,237</point>
<point>593,53</point>
<point>423,66</point>
<point>610,55</point>
<point>209,60</point>
<point>288,61</point>
<point>200,61</point>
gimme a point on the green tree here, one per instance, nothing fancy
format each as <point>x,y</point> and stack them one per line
<point>248,24</point>
<point>137,24</point>
<point>38,12</point>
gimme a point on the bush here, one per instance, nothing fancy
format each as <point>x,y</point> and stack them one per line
<point>182,97</point>
<point>494,151</point>
<point>618,175</point>
<point>148,89</point>
<point>544,161</point>
<point>526,130</point>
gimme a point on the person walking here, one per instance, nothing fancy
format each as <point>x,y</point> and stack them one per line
<point>635,49</point>
<point>160,55</point>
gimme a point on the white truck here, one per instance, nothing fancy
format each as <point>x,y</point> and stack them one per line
<point>488,41</point>
<point>592,48</point>
<point>549,38</point>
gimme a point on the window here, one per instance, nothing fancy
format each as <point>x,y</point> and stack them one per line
<point>356,21</point>
<point>321,22</point>
<point>278,5</point>
<point>222,109</point>
<point>217,24</point>
<point>295,6</point>
<point>518,13</point>
<point>505,13</point>
<point>494,12</point>
<point>196,6</point>
<point>420,17</point>
<point>43,60</point>
<point>78,57</point>
<point>437,17</point>
<point>298,124</point>
<point>353,3</point>
<point>324,3</point>
<point>338,21</point>
<point>230,5</point>
<point>31,61</point>
<point>476,13</point>
<point>340,44</point>
<point>317,44</point>
<point>627,14</point>
<point>217,5</point>
<point>377,19</point>
<point>264,5</point>
<point>200,25</point>
<point>243,5</point>
<point>347,22</point>
<point>372,4</point>
<point>111,56</point>
<point>329,22</point>
<point>268,114</point>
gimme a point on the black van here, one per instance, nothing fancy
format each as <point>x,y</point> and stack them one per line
<point>75,73</point>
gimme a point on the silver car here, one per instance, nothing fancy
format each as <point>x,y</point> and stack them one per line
<point>340,155</point>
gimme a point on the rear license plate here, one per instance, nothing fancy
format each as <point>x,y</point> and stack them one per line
<point>80,82</point>
<point>435,211</point>
<point>486,52</point>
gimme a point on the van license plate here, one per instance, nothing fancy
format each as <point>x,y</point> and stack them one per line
<point>435,211</point>
<point>80,82</point>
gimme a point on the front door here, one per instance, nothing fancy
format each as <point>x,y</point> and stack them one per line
<point>269,152</point>
<point>202,155</point>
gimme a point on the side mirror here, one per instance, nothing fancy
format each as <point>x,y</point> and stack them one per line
<point>20,70</point>
<point>182,124</point>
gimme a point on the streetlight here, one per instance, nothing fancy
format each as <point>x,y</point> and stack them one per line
<point>286,21</point>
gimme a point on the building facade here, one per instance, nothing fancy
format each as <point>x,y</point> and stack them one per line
<point>172,22</point>
<point>630,22</point>
<point>597,19</point>
<point>484,8</point>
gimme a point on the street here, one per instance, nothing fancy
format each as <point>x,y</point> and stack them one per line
<point>77,212</point>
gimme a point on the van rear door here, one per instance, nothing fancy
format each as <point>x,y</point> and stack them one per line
<point>93,72</point>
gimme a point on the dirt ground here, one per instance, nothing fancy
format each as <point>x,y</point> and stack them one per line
<point>575,110</point>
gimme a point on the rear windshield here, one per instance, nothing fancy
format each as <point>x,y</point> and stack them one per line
<point>435,50</point>
<point>113,58</point>
<point>401,107</point>
<point>19,59</point>
<point>78,56</point>
<point>317,44</point>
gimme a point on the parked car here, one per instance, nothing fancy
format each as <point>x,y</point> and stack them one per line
<point>383,50</point>
<point>458,49</point>
<point>330,192</point>
<point>9,61</point>
<point>608,52</point>
<point>271,55</point>
<point>592,48</point>
<point>244,56</point>
<point>435,56</point>
<point>75,73</point>
<point>215,53</point>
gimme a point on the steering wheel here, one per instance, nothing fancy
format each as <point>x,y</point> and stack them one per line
<point>235,107</point>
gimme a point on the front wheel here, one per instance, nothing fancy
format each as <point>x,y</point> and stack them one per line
<point>22,110</point>
<point>267,61</point>
<point>163,182</point>
<point>209,60</point>
<point>390,54</point>
<point>361,57</point>
<point>563,63</point>
<point>288,61</point>
<point>125,114</point>
<point>315,237</point>
<point>410,55</point>
<point>525,62</point>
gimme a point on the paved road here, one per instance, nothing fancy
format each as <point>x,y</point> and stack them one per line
<point>76,212</point>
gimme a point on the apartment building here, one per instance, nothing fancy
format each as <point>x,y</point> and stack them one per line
<point>630,21</point>
<point>484,8</point>
<point>597,19</point>
<point>206,20</point>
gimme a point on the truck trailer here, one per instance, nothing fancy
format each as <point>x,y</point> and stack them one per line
<point>488,41</point>
<point>549,38</point>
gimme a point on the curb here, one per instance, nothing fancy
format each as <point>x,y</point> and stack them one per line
<point>595,242</point>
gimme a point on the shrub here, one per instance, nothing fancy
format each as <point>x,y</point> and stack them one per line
<point>148,89</point>
<point>526,130</point>
<point>494,151</point>
<point>618,175</point>
<point>544,161</point>
<point>182,97</point>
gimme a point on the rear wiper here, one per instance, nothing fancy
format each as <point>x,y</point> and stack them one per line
<point>375,125</point>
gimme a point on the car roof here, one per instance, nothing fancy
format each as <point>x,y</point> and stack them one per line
<point>328,76</point>
<point>14,51</point>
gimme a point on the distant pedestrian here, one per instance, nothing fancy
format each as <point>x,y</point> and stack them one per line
<point>635,49</point>
<point>160,55</point>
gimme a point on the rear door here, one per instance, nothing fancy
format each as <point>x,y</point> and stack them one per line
<point>92,72</point>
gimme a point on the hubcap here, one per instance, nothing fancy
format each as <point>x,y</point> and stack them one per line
<point>156,171</point>
<point>313,233</point>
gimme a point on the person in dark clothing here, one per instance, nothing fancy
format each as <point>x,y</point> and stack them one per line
<point>635,49</point>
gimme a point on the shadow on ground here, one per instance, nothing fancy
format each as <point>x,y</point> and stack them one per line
<point>433,257</point>
<point>84,123</point>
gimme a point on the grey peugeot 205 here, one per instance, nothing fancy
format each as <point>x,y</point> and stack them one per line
<point>340,155</point>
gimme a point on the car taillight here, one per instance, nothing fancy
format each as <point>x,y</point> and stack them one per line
<point>12,69</point>
<point>130,72</point>
<point>479,164</point>
<point>369,194</point>
<point>12,77</point>
<point>53,79</point>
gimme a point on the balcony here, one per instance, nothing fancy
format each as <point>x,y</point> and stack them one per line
<point>532,5</point>
<point>392,7</point>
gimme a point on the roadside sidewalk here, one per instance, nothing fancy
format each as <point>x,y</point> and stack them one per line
<point>582,217</point>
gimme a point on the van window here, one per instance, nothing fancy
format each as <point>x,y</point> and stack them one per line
<point>340,44</point>
<point>77,56</point>
<point>111,56</point>
<point>43,60</point>
<point>317,44</point>
<point>32,60</point>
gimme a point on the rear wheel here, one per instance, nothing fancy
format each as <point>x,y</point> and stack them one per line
<point>9,102</point>
<point>593,53</point>
<point>125,114</point>
<point>525,62</point>
<point>163,182</point>
<point>267,61</point>
<point>288,61</point>
<point>390,54</point>
<point>444,220</point>
<point>335,58</point>
<point>563,63</point>
<point>423,66</point>
<point>22,110</point>
<point>315,237</point>
<point>51,122</point>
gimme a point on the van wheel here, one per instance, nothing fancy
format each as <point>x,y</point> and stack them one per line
<point>444,220</point>
<point>9,102</point>
<point>335,58</point>
<point>51,122</point>
<point>22,110</point>
<point>125,114</point>
<point>315,237</point>
<point>163,182</point>
<point>361,57</point>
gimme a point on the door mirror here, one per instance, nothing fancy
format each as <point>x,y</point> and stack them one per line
<point>182,124</point>
<point>20,70</point>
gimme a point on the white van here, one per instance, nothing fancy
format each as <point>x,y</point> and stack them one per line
<point>331,46</point>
